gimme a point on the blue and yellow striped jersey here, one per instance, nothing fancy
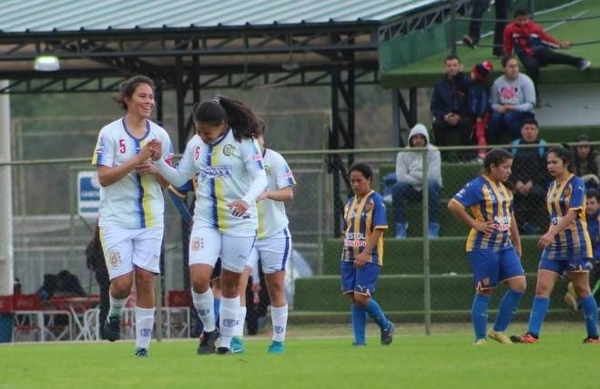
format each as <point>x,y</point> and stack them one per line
<point>362,216</point>
<point>574,241</point>
<point>488,201</point>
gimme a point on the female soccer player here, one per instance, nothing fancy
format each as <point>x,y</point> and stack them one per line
<point>493,244</point>
<point>566,246</point>
<point>231,177</point>
<point>362,255</point>
<point>274,242</point>
<point>131,215</point>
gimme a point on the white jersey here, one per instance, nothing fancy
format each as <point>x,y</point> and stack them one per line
<point>272,218</point>
<point>134,201</point>
<point>226,171</point>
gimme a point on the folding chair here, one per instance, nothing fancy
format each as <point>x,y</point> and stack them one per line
<point>176,323</point>
<point>34,321</point>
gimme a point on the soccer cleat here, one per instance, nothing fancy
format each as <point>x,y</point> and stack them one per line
<point>527,338</point>
<point>584,64</point>
<point>591,340</point>
<point>356,344</point>
<point>141,352</point>
<point>112,328</point>
<point>468,41</point>
<point>387,335</point>
<point>277,348</point>
<point>480,342</point>
<point>207,342</point>
<point>237,345</point>
<point>498,336</point>
<point>223,350</point>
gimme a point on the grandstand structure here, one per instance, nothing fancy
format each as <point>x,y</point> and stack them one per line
<point>196,47</point>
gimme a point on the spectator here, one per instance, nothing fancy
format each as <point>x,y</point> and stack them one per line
<point>479,103</point>
<point>533,45</point>
<point>450,108</point>
<point>587,162</point>
<point>592,213</point>
<point>530,178</point>
<point>513,100</point>
<point>409,180</point>
<point>479,6</point>
<point>95,262</point>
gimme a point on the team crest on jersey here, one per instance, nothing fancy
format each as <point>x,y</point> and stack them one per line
<point>114,259</point>
<point>268,170</point>
<point>197,243</point>
<point>567,191</point>
<point>485,281</point>
<point>368,207</point>
<point>228,150</point>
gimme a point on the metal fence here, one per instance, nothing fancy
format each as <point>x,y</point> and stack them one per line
<point>423,279</point>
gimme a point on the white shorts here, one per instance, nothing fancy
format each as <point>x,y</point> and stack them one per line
<point>127,247</point>
<point>273,252</point>
<point>207,244</point>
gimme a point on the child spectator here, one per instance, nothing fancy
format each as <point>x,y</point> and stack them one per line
<point>533,45</point>
<point>587,162</point>
<point>479,103</point>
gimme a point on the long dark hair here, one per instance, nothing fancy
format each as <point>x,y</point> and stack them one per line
<point>563,153</point>
<point>128,88</point>
<point>236,114</point>
<point>495,157</point>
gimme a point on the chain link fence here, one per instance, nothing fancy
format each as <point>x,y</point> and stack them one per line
<point>423,280</point>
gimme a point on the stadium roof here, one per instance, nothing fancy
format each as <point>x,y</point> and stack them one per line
<point>229,43</point>
<point>93,15</point>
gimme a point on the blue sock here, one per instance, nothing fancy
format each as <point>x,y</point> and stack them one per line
<point>375,312</point>
<point>508,306</point>
<point>359,324</point>
<point>538,314</point>
<point>590,310</point>
<point>479,315</point>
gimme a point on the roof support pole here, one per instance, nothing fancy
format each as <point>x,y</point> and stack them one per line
<point>342,136</point>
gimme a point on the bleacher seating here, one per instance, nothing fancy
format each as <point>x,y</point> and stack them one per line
<point>401,285</point>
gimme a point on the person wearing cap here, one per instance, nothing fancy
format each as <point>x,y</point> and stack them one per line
<point>409,180</point>
<point>479,103</point>
<point>452,122</point>
<point>512,101</point>
<point>587,162</point>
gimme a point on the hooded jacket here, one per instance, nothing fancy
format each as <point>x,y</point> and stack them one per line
<point>409,163</point>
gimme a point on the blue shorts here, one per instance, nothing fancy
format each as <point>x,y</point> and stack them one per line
<point>560,267</point>
<point>491,267</point>
<point>362,281</point>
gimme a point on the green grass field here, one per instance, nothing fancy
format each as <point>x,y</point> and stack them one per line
<point>315,358</point>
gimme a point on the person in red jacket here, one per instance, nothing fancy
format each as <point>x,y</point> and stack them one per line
<point>534,46</point>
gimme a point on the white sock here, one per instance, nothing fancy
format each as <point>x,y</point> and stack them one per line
<point>229,319</point>
<point>239,328</point>
<point>279,316</point>
<point>116,306</point>
<point>204,303</point>
<point>144,322</point>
